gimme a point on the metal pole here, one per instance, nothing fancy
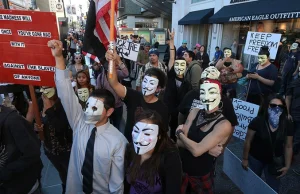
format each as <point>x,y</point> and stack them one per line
<point>64,8</point>
<point>6,4</point>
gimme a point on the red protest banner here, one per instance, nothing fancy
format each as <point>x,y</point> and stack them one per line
<point>25,57</point>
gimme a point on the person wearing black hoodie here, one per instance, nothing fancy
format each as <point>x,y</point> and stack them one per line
<point>20,163</point>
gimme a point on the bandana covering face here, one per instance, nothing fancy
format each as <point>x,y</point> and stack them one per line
<point>180,67</point>
<point>262,59</point>
<point>93,111</point>
<point>227,53</point>
<point>210,73</point>
<point>149,85</point>
<point>210,94</point>
<point>274,115</point>
<point>48,92</point>
<point>83,94</point>
<point>144,137</point>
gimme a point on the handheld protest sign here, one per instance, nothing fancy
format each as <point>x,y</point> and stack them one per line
<point>25,58</point>
<point>111,35</point>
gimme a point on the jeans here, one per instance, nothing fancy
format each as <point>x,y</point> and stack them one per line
<point>61,163</point>
<point>259,167</point>
<point>116,117</point>
<point>296,140</point>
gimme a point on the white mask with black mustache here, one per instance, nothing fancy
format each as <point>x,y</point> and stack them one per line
<point>180,67</point>
<point>210,73</point>
<point>144,137</point>
<point>210,95</point>
<point>149,85</point>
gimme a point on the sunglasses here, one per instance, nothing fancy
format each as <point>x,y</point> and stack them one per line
<point>277,105</point>
<point>78,58</point>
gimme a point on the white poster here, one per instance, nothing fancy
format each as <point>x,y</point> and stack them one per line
<point>245,113</point>
<point>255,40</point>
<point>247,181</point>
<point>128,50</point>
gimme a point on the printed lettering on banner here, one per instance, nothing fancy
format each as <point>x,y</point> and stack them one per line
<point>247,181</point>
<point>245,113</point>
<point>25,57</point>
<point>128,50</point>
<point>255,40</point>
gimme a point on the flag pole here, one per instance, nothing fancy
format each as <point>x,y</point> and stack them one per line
<point>112,36</point>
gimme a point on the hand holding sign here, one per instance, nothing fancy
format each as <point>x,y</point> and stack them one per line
<point>56,47</point>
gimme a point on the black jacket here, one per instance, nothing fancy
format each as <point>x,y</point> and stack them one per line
<point>205,59</point>
<point>20,163</point>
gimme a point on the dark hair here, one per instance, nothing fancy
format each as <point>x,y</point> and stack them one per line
<point>109,99</point>
<point>217,47</point>
<point>191,54</point>
<point>161,76</point>
<point>150,167</point>
<point>82,58</point>
<point>180,58</point>
<point>87,74</point>
<point>283,117</point>
<point>264,50</point>
<point>226,48</point>
<point>203,47</point>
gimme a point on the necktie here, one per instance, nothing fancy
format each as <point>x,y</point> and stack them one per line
<point>87,167</point>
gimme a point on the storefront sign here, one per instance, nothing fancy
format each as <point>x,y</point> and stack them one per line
<point>245,113</point>
<point>274,16</point>
<point>255,40</point>
<point>25,58</point>
<point>231,2</point>
<point>246,180</point>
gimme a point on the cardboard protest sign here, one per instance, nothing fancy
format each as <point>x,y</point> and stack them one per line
<point>128,50</point>
<point>25,57</point>
<point>245,113</point>
<point>247,181</point>
<point>255,40</point>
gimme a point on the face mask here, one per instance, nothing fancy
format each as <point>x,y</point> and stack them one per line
<point>93,111</point>
<point>83,94</point>
<point>210,73</point>
<point>180,67</point>
<point>274,115</point>
<point>149,85</point>
<point>210,95</point>
<point>262,59</point>
<point>144,137</point>
<point>227,53</point>
<point>48,92</point>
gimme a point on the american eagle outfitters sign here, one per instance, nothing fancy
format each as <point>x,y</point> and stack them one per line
<point>274,16</point>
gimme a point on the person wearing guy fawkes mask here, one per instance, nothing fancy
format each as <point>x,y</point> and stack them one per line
<point>97,156</point>
<point>261,77</point>
<point>136,101</point>
<point>231,70</point>
<point>208,130</point>
<point>57,132</point>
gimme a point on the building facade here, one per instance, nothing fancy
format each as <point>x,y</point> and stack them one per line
<point>231,20</point>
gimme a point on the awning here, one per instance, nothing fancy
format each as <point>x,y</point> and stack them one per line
<point>258,10</point>
<point>197,17</point>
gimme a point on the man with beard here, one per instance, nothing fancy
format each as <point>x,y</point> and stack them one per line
<point>153,62</point>
<point>153,80</point>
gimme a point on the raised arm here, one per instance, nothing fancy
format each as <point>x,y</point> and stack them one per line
<point>172,50</point>
<point>64,87</point>
<point>113,81</point>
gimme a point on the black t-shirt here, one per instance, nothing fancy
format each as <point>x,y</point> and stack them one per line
<point>192,100</point>
<point>294,91</point>
<point>261,147</point>
<point>171,97</point>
<point>135,103</point>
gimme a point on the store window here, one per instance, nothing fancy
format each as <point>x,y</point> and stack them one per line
<point>197,1</point>
<point>146,24</point>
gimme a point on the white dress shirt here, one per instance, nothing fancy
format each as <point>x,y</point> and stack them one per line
<point>109,147</point>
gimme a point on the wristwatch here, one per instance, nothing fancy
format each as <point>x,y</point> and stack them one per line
<point>178,132</point>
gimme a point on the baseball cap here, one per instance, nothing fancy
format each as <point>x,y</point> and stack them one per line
<point>147,44</point>
<point>294,46</point>
<point>184,42</point>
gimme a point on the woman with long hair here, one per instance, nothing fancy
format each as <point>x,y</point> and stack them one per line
<point>202,57</point>
<point>152,160</point>
<point>77,65</point>
<point>209,129</point>
<point>268,146</point>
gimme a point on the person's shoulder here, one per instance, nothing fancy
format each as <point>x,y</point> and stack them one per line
<point>117,135</point>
